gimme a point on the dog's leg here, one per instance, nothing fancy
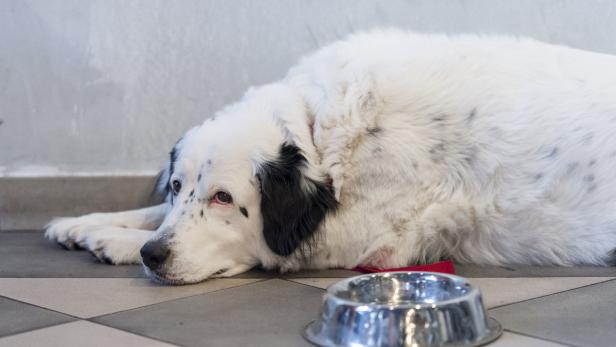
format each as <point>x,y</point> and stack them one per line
<point>67,231</point>
<point>446,227</point>
<point>114,245</point>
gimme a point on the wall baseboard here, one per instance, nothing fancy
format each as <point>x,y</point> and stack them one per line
<point>28,203</point>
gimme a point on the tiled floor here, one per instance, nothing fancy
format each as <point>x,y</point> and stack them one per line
<point>51,297</point>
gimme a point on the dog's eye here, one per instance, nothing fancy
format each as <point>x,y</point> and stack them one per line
<point>223,198</point>
<point>176,186</point>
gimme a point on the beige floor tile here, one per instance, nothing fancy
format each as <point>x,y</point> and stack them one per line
<point>514,340</point>
<point>78,334</point>
<point>502,291</point>
<point>317,282</point>
<point>90,297</point>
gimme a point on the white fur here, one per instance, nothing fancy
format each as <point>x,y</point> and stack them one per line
<point>489,150</point>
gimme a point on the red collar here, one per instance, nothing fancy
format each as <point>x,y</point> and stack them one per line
<point>441,266</point>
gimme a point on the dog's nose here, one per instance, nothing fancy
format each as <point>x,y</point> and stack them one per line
<point>154,253</point>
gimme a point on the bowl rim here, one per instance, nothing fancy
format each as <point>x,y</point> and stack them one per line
<point>474,291</point>
<point>495,331</point>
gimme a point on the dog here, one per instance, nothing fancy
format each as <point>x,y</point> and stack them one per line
<point>387,148</point>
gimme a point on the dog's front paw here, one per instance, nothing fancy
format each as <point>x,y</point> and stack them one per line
<point>66,231</point>
<point>114,245</point>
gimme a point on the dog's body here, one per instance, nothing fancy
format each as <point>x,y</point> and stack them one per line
<point>392,148</point>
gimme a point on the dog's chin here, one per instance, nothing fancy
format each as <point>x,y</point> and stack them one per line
<point>167,279</point>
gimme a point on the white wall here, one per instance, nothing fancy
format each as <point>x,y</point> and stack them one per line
<point>103,87</point>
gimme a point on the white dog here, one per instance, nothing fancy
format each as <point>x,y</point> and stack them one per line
<point>387,149</point>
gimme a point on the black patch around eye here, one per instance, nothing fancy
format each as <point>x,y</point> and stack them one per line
<point>162,190</point>
<point>244,211</point>
<point>173,157</point>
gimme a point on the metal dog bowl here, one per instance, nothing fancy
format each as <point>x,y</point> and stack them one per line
<point>403,309</point>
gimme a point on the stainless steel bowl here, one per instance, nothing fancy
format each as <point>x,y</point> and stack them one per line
<point>403,309</point>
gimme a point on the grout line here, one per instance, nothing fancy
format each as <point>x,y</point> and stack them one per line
<point>91,319</point>
<point>539,338</point>
<point>555,293</point>
<point>41,307</point>
<point>302,284</point>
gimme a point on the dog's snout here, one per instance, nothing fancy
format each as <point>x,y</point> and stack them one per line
<point>154,253</point>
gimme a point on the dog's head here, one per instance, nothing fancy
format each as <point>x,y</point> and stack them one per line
<point>242,190</point>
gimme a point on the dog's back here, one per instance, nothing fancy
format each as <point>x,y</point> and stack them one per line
<point>517,131</point>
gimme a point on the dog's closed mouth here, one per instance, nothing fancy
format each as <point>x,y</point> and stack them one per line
<point>159,278</point>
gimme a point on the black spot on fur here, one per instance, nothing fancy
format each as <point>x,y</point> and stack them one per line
<point>439,119</point>
<point>227,222</point>
<point>192,192</point>
<point>471,116</point>
<point>592,162</point>
<point>209,162</point>
<point>201,213</point>
<point>470,155</point>
<point>553,153</point>
<point>436,152</point>
<point>589,178</point>
<point>538,176</point>
<point>186,201</point>
<point>199,177</point>
<point>244,211</point>
<point>572,166</point>
<point>374,131</point>
<point>292,205</point>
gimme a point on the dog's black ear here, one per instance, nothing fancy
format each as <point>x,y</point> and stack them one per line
<point>292,205</point>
